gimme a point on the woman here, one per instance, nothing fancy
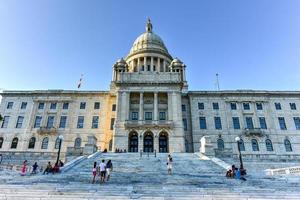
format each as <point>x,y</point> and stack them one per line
<point>94,171</point>
<point>24,168</point>
<point>169,164</point>
<point>109,168</point>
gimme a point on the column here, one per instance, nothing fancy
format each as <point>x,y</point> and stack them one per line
<point>151,64</point>
<point>170,117</point>
<point>164,64</point>
<point>141,109</point>
<point>127,106</point>
<point>145,63</point>
<point>158,64</point>
<point>183,73</point>
<point>155,107</point>
<point>138,65</point>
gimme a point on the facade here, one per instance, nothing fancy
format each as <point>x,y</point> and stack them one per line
<point>149,108</point>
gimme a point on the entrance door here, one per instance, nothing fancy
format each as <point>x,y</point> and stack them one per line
<point>163,143</point>
<point>133,143</point>
<point>148,143</point>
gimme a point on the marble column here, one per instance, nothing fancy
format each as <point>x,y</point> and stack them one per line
<point>155,106</point>
<point>138,65</point>
<point>145,64</point>
<point>127,105</point>
<point>151,64</point>
<point>170,117</point>
<point>141,109</point>
<point>158,64</point>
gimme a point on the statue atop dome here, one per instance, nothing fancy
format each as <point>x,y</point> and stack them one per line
<point>149,26</point>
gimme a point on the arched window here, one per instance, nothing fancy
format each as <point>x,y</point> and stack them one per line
<point>14,143</point>
<point>45,143</point>
<point>269,145</point>
<point>242,145</point>
<point>57,143</point>
<point>220,144</point>
<point>254,145</point>
<point>288,146</point>
<point>31,143</point>
<point>77,143</point>
<point>1,142</point>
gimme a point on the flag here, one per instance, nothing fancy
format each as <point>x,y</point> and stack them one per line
<point>80,81</point>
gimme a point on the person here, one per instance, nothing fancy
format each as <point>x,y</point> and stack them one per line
<point>61,164</point>
<point>102,167</point>
<point>238,175</point>
<point>24,168</point>
<point>233,169</point>
<point>34,168</point>
<point>94,171</point>
<point>55,168</point>
<point>169,164</point>
<point>48,168</point>
<point>125,151</point>
<point>229,173</point>
<point>109,168</point>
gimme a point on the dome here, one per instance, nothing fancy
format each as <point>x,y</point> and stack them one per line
<point>177,63</point>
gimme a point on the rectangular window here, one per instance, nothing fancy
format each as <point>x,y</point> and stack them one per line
<point>10,105</point>
<point>82,105</point>
<point>162,115</point>
<point>184,124</point>
<point>95,122</point>
<point>297,122</point>
<point>53,106</point>
<point>5,122</point>
<point>183,107</point>
<point>218,123</point>
<point>293,106</point>
<point>97,105</point>
<point>246,106</point>
<point>148,115</point>
<point>50,122</point>
<point>259,106</point>
<point>23,105</point>
<point>282,124</point>
<point>38,121</point>
<point>262,122</point>
<point>65,106</point>
<point>202,121</point>
<point>201,106</point>
<point>80,121</point>
<point>134,116</point>
<point>112,123</point>
<point>20,122</point>
<point>63,122</point>
<point>277,106</point>
<point>215,106</point>
<point>233,106</point>
<point>249,123</point>
<point>236,123</point>
<point>114,107</point>
<point>41,106</point>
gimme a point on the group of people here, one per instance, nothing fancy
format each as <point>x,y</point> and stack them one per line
<point>25,169</point>
<point>235,172</point>
<point>103,170</point>
<point>35,168</point>
<point>53,169</point>
<point>120,150</point>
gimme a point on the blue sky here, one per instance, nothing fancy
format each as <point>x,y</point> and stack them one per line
<point>47,44</point>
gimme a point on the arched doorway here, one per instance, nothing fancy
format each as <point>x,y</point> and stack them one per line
<point>163,142</point>
<point>133,142</point>
<point>148,142</point>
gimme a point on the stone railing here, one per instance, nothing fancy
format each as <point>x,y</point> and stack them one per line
<point>47,130</point>
<point>284,171</point>
<point>148,124</point>
<point>173,77</point>
<point>253,132</point>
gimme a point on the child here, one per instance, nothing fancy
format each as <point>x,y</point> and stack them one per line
<point>94,172</point>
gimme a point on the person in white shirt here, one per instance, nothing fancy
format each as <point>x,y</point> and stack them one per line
<point>102,167</point>
<point>169,164</point>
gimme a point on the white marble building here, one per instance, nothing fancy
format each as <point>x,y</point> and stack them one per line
<point>149,108</point>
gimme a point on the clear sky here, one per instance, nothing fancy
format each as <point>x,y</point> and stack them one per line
<point>252,44</point>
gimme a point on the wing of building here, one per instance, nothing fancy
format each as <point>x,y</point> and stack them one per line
<point>149,108</point>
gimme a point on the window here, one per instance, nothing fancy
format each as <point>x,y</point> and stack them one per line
<point>57,143</point>
<point>41,106</point>
<point>114,107</point>
<point>37,122</point>
<point>95,121</point>
<point>148,67</point>
<point>154,68</point>
<point>249,123</point>
<point>297,122</point>
<point>218,123</point>
<point>53,106</point>
<point>82,105</point>
<point>246,106</point>
<point>148,115</point>
<point>233,106</point>
<point>31,143</point>
<point>277,106</point>
<point>14,143</point>
<point>162,115</point>
<point>77,143</point>
<point>10,105</point>
<point>282,124</point>
<point>5,122</point>
<point>262,122</point>
<point>50,122</point>
<point>259,106</point>
<point>215,106</point>
<point>254,145</point>
<point>220,143</point>
<point>97,105</point>
<point>183,107</point>
<point>20,122</point>
<point>80,121</point>
<point>112,123</point>
<point>45,143</point>
<point>134,116</point>
<point>1,142</point>
<point>23,105</point>
<point>184,121</point>
<point>293,106</point>
<point>63,121</point>
<point>241,145</point>
<point>236,123</point>
<point>202,121</point>
<point>287,145</point>
<point>65,105</point>
<point>269,145</point>
<point>201,106</point>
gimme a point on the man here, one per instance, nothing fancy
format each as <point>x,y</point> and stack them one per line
<point>102,167</point>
